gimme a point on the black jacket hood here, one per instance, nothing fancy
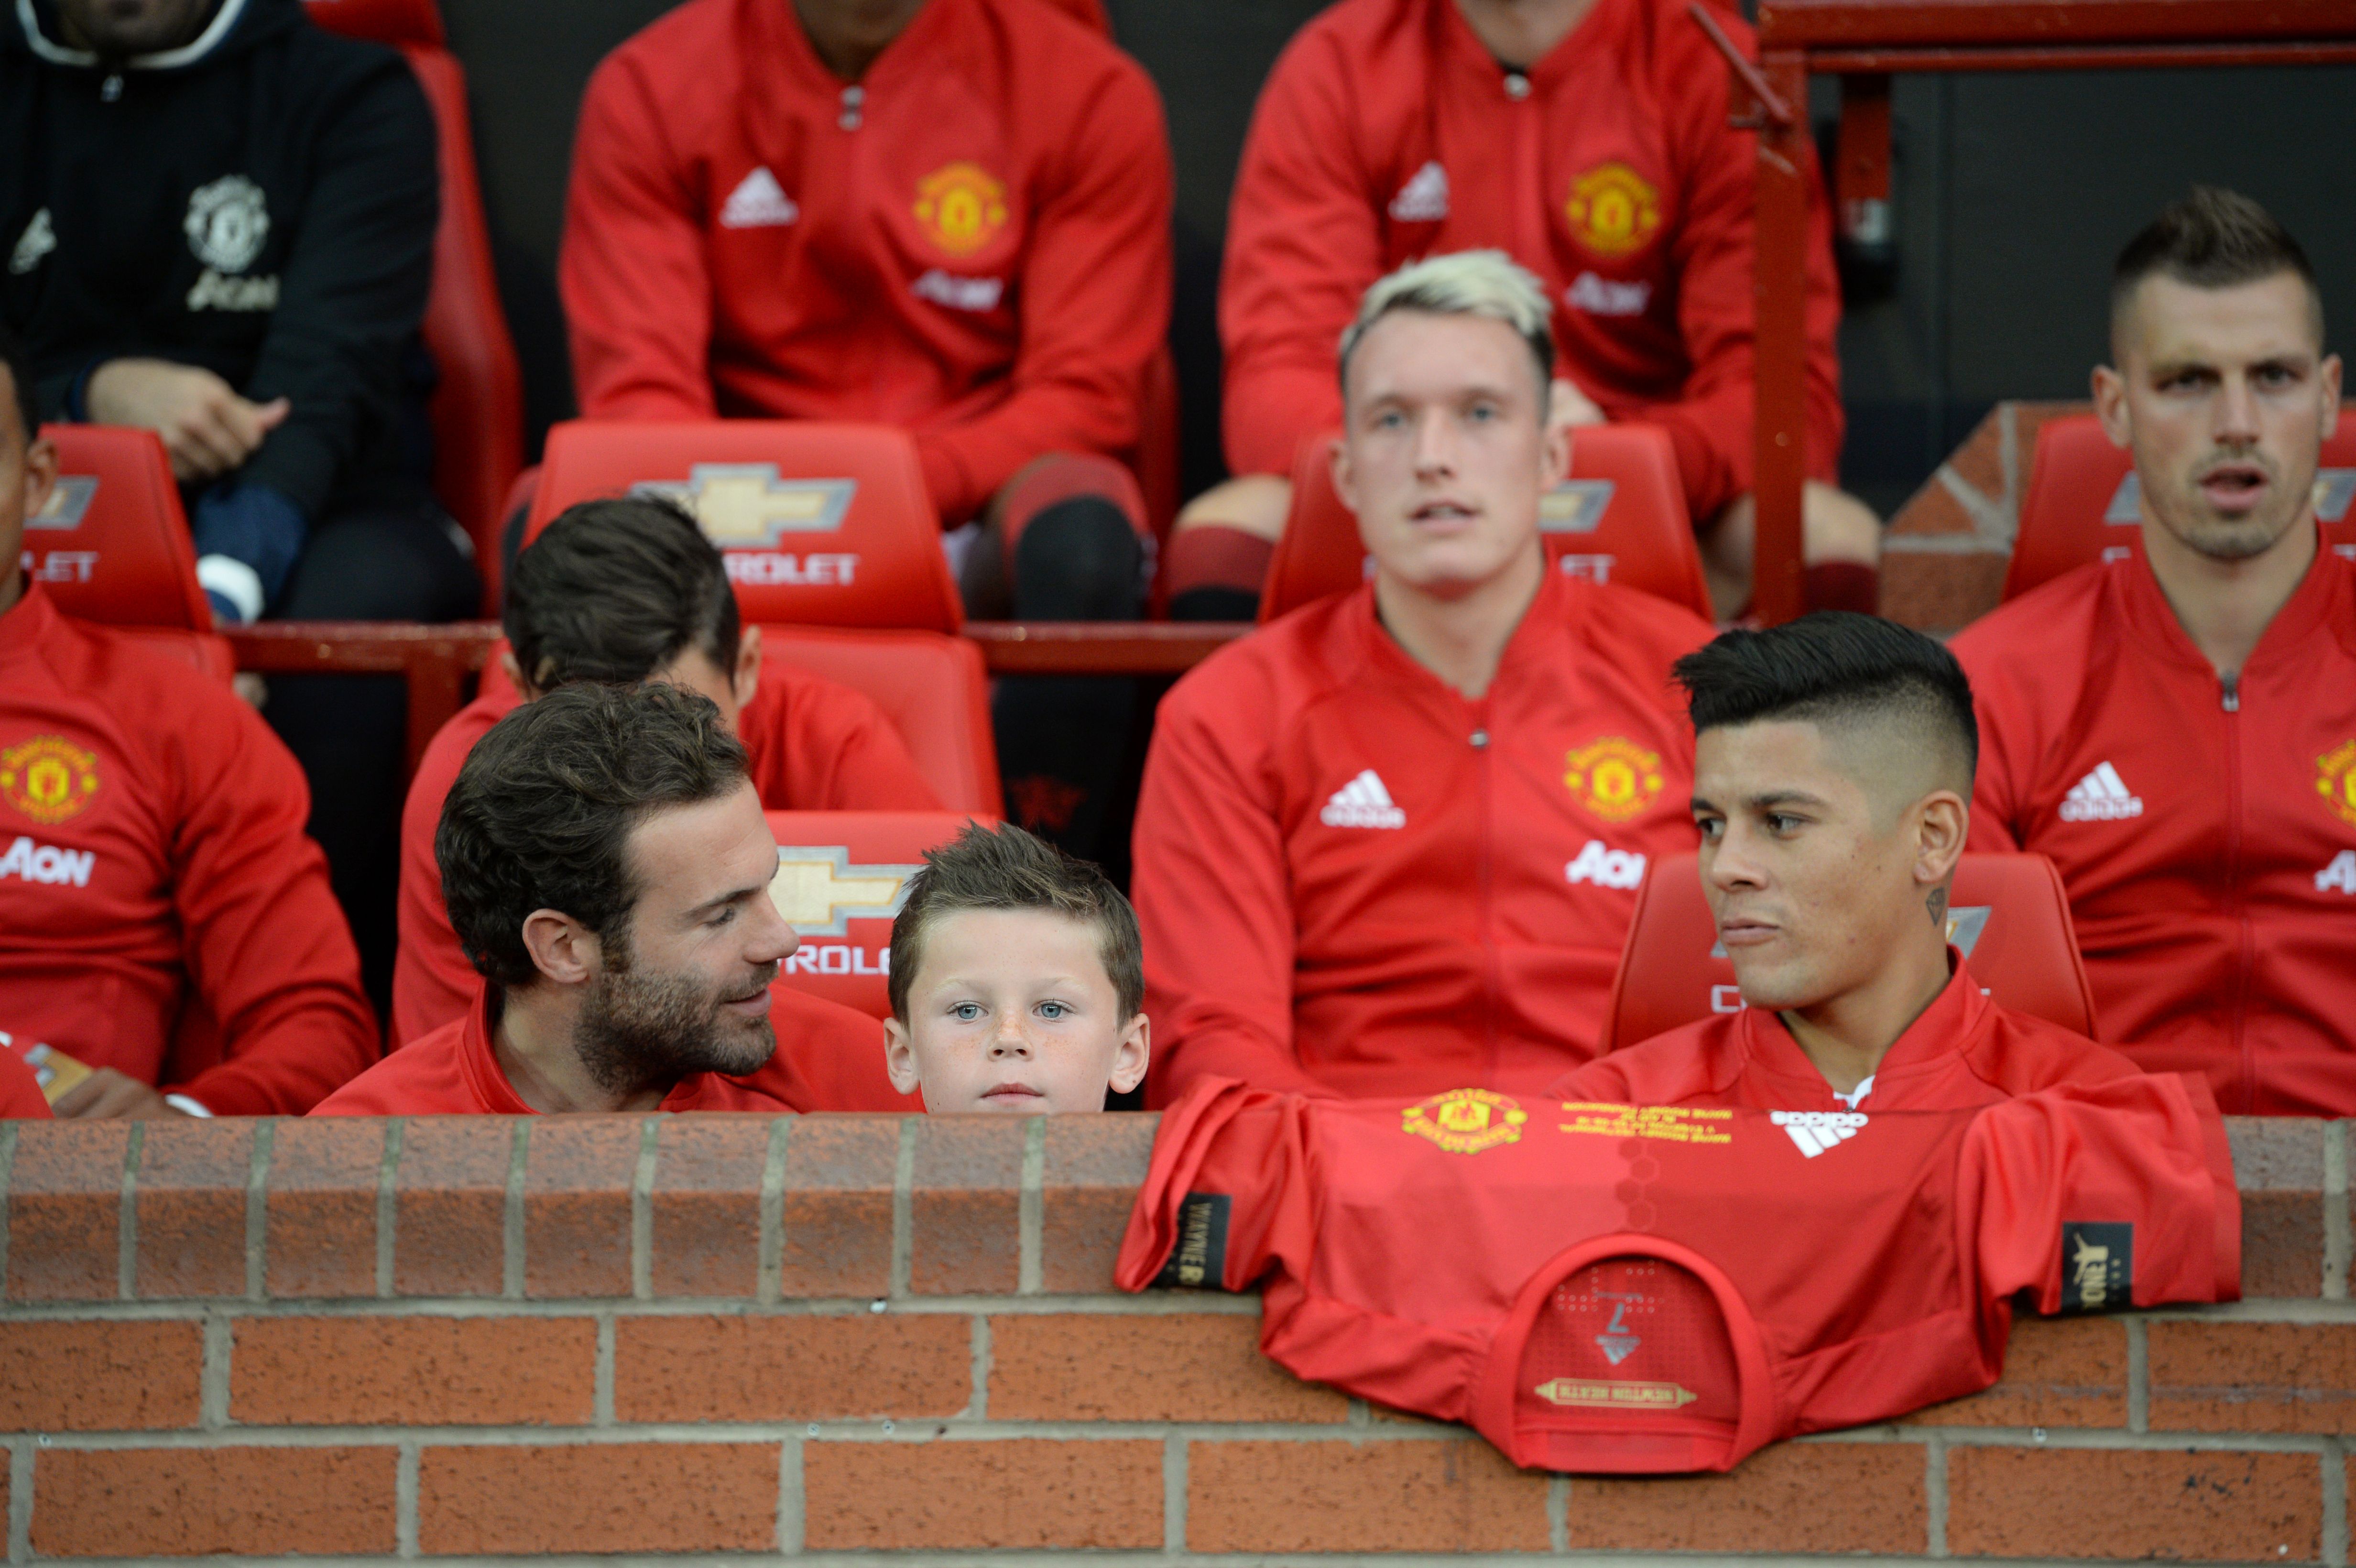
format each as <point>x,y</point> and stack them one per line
<point>235,26</point>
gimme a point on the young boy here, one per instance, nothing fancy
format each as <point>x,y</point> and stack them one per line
<point>1018,981</point>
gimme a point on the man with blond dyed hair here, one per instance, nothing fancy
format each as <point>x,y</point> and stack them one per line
<point>1390,844</point>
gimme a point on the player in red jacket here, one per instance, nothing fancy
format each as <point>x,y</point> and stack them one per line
<point>946,214</point>
<point>153,862</point>
<point>608,866</point>
<point>1391,843</point>
<point>1832,761</point>
<point>623,592</point>
<point>1588,140</point>
<point>2177,730</point>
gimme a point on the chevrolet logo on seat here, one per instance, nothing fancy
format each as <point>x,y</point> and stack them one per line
<point>68,505</point>
<point>820,891</point>
<point>746,506</point>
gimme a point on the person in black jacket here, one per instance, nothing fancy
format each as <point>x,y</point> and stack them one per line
<point>218,222</point>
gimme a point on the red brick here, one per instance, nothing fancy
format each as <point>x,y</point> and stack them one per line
<point>187,1502</point>
<point>2253,1377</point>
<point>2058,1372</point>
<point>599,1497</point>
<point>450,1198</point>
<point>1108,1367</point>
<point>1405,1495</point>
<point>792,1368</point>
<point>2278,1164</point>
<point>1933,510</point>
<point>99,1377</point>
<point>707,1205</point>
<point>1095,1166</point>
<point>1780,1499</point>
<point>2178,1505</point>
<point>837,1206</point>
<point>65,1210</point>
<point>1007,1494</point>
<point>190,1205</point>
<point>320,1207</point>
<point>576,1205</point>
<point>413,1371</point>
<point>966,1206</point>
<point>1941,592</point>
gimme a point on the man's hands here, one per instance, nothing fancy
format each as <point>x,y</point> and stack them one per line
<point>106,1093</point>
<point>1569,408</point>
<point>206,427</point>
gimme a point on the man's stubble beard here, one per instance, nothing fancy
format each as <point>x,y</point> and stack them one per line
<point>641,1029</point>
<point>2219,538</point>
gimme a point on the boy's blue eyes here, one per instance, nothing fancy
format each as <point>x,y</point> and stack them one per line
<point>966,1012</point>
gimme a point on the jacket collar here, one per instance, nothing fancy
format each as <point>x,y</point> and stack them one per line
<point>38,40</point>
<point>1945,1029</point>
<point>779,37</point>
<point>1383,655</point>
<point>30,624</point>
<point>2317,608</point>
<point>1461,49</point>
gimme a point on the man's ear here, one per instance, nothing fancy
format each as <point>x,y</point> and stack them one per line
<point>562,948</point>
<point>744,680</point>
<point>42,477</point>
<point>1338,458</point>
<point>900,1057</point>
<point>1554,462</point>
<point>1943,820</point>
<point>1129,1058</point>
<point>2110,406</point>
<point>2330,379</point>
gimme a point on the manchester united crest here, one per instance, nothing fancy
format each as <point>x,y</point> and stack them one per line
<point>962,207</point>
<point>1465,1121</point>
<point>1613,210</point>
<point>1614,778</point>
<point>48,778</point>
<point>2335,780</point>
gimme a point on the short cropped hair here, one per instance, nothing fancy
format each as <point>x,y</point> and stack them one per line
<point>1487,283</point>
<point>20,381</point>
<point>541,815</point>
<point>1006,868</point>
<point>1828,667</point>
<point>616,590</point>
<point>2213,239</point>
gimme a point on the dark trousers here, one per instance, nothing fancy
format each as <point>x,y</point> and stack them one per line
<point>392,564</point>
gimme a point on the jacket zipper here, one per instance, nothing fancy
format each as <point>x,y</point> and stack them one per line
<point>1529,215</point>
<point>1490,983</point>
<point>2229,689</point>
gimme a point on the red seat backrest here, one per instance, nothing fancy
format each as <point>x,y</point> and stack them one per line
<point>113,545</point>
<point>932,688</point>
<point>842,876</point>
<point>2081,502</point>
<point>2010,919</point>
<point>1620,517</point>
<point>478,404</point>
<point>824,525</point>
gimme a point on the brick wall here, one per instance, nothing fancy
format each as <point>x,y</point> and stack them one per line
<point>872,1338</point>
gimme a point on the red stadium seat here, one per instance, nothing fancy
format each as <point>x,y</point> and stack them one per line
<point>1620,518</point>
<point>907,674</point>
<point>2010,919</point>
<point>842,876</point>
<point>2080,503</point>
<point>477,404</point>
<point>112,544</point>
<point>823,525</point>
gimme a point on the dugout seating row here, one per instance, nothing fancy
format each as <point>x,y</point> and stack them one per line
<point>842,875</point>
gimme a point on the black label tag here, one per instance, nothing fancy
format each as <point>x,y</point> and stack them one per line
<point>1199,1261</point>
<point>2097,1265</point>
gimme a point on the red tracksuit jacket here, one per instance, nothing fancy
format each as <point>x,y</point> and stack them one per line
<point>1389,133</point>
<point>1964,1052</point>
<point>972,243</point>
<point>825,1053</point>
<point>1601,1287</point>
<point>814,745</point>
<point>153,864</point>
<point>1351,880</point>
<point>2207,835</point>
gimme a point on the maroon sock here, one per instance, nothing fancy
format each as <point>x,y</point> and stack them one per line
<point>1842,585</point>
<point>1214,573</point>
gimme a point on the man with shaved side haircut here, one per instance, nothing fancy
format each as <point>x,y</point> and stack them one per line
<point>1833,762</point>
